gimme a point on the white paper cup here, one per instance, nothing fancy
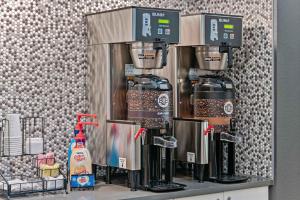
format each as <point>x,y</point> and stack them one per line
<point>34,146</point>
<point>14,125</point>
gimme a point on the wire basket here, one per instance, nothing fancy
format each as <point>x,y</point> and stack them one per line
<point>16,185</point>
<point>54,179</point>
<point>29,142</point>
<point>10,145</point>
<point>55,183</point>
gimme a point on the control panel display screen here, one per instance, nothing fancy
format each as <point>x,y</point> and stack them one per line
<point>228,26</point>
<point>163,21</point>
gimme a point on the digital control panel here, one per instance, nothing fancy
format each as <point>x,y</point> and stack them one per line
<point>223,29</point>
<point>152,24</point>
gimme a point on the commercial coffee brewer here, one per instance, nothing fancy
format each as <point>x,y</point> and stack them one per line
<point>127,56</point>
<point>205,100</point>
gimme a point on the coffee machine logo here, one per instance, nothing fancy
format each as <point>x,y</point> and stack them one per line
<point>228,108</point>
<point>158,14</point>
<point>146,25</point>
<point>163,100</point>
<point>214,30</point>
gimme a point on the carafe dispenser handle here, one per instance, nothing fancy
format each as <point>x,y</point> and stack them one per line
<point>204,143</point>
<point>139,133</point>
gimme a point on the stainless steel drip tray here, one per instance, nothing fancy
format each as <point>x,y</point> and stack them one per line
<point>165,142</point>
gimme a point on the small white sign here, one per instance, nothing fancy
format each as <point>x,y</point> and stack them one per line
<point>194,73</point>
<point>229,86</point>
<point>122,163</point>
<point>130,70</point>
<point>190,157</point>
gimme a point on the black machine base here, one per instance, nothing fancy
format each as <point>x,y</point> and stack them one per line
<point>133,178</point>
<point>196,171</point>
<point>163,186</point>
<point>228,179</point>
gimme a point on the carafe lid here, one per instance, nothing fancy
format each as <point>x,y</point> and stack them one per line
<point>150,82</point>
<point>214,83</point>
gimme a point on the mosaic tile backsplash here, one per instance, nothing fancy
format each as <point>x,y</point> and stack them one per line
<point>43,67</point>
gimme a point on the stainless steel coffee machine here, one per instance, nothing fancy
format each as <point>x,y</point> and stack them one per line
<point>205,101</point>
<point>127,57</point>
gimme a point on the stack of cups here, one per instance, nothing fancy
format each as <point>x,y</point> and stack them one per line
<point>13,136</point>
<point>34,145</point>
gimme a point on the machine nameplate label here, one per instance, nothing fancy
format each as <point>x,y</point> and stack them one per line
<point>190,157</point>
<point>228,86</point>
<point>194,73</point>
<point>130,70</point>
<point>122,163</point>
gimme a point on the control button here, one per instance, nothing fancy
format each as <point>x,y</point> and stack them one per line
<point>214,28</point>
<point>231,36</point>
<point>225,35</point>
<point>167,31</point>
<point>159,31</point>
